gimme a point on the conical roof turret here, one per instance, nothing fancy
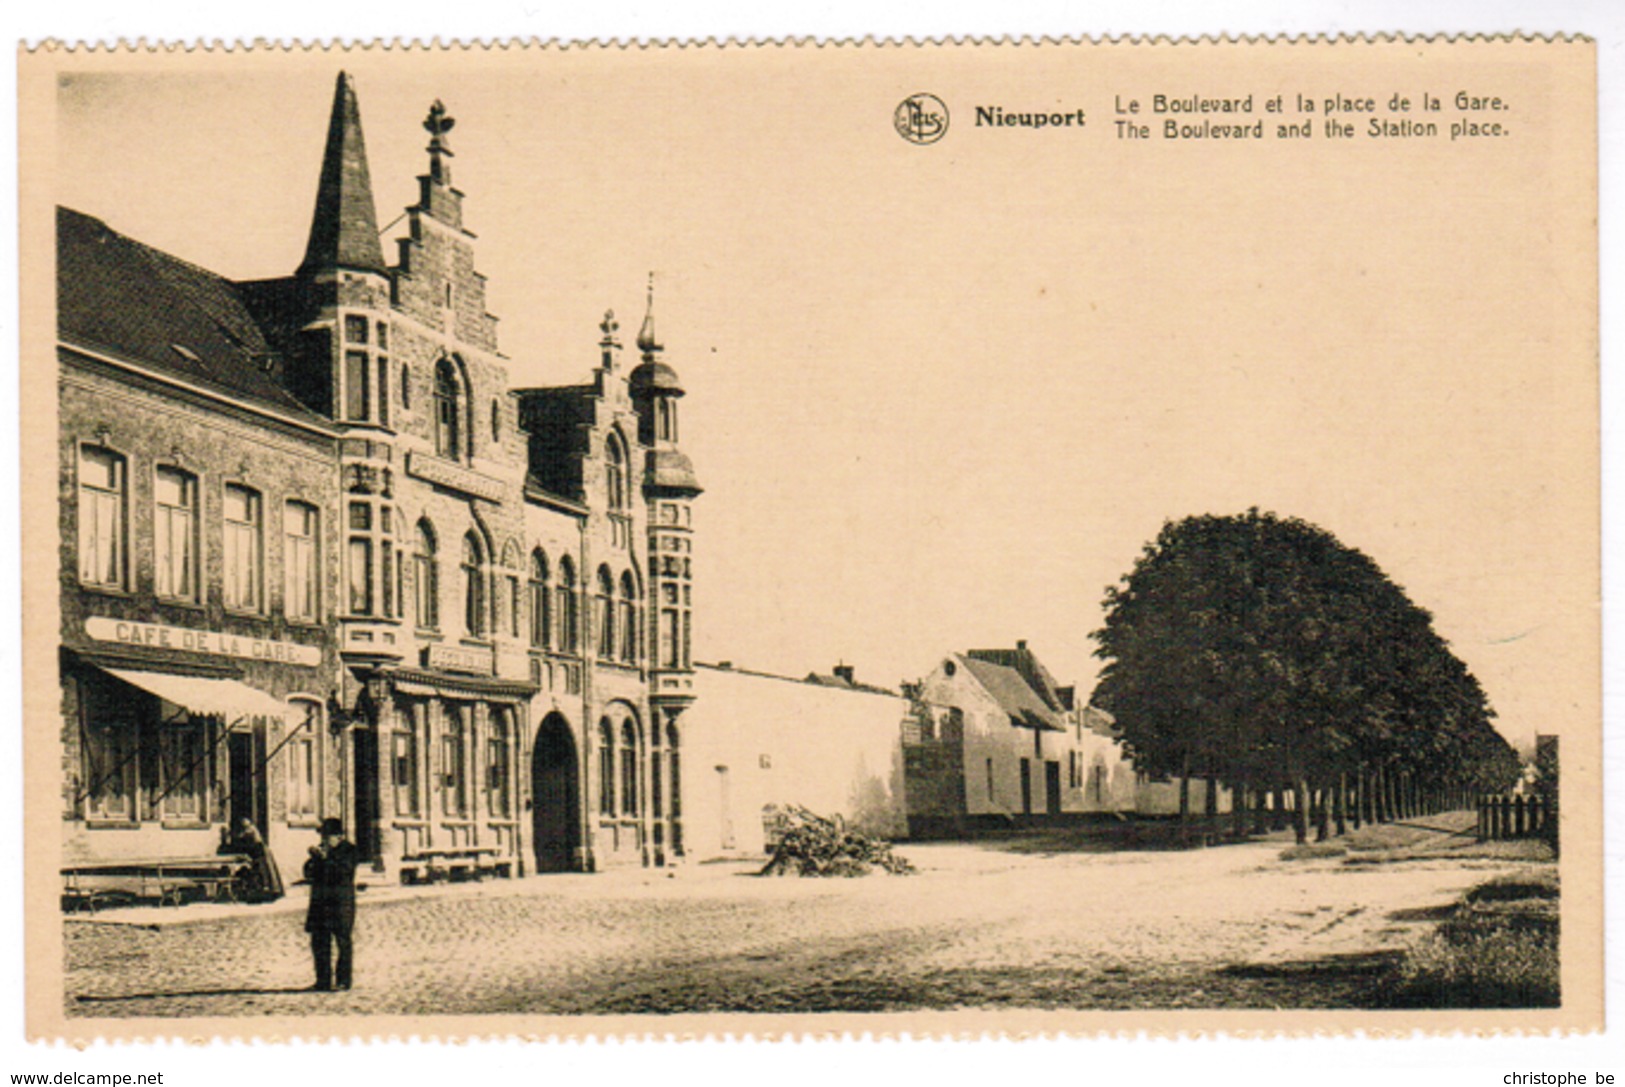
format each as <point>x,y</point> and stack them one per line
<point>344,228</point>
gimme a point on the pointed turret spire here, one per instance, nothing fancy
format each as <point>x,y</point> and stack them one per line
<point>344,230</point>
<point>647,342</point>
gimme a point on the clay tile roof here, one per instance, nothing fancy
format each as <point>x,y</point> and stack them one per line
<point>1014,695</point>
<point>127,299</point>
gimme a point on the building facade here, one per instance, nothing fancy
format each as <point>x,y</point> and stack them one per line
<point>320,501</point>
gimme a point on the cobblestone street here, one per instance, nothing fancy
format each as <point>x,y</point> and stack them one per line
<point>981,925</point>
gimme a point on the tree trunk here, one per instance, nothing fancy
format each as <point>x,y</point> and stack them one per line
<point>1210,810</point>
<point>1340,803</point>
<point>1323,828</point>
<point>1357,797</point>
<point>1184,800</point>
<point>1300,811</point>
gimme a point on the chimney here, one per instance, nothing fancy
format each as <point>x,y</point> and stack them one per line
<point>846,672</point>
<point>1021,644</point>
<point>726,666</point>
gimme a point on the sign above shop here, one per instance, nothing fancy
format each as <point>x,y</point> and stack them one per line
<point>455,658</point>
<point>213,643</point>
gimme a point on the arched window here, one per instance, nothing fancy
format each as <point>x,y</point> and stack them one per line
<point>510,579</point>
<point>606,614</point>
<point>569,621</point>
<point>447,410</point>
<point>427,574</point>
<point>665,420</point>
<point>629,618</point>
<point>615,471</point>
<point>606,767</point>
<point>629,769</point>
<point>541,602</point>
<point>473,585</point>
<point>496,422</point>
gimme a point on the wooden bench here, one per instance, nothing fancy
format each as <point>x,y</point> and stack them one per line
<point>454,864</point>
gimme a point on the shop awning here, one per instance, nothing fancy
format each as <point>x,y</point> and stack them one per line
<point>203,695</point>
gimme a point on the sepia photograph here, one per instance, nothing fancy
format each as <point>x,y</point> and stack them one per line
<point>1066,536</point>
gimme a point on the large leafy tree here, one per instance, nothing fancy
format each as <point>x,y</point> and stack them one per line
<point>1261,651</point>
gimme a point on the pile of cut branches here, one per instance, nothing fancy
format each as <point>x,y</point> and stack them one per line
<point>811,845</point>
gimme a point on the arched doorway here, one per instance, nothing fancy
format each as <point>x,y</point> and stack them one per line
<point>555,813</point>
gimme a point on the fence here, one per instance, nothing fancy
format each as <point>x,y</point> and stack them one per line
<point>1501,817</point>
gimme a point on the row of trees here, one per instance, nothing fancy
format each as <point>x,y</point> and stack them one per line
<point>1260,653</point>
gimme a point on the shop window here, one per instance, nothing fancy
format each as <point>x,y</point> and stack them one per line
<point>453,766</point>
<point>244,547</point>
<point>301,598</point>
<point>496,766</point>
<point>183,777</point>
<point>102,539</point>
<point>175,495</point>
<point>427,576</point>
<point>404,763</point>
<point>108,735</point>
<point>606,768</point>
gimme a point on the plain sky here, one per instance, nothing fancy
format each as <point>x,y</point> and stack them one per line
<point>941,396</point>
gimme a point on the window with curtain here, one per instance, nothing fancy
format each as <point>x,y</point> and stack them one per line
<point>244,563</point>
<point>102,538</point>
<point>300,599</point>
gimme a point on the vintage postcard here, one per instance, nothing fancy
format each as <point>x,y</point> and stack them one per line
<point>784,540</point>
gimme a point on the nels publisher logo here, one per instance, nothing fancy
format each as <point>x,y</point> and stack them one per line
<point>921,118</point>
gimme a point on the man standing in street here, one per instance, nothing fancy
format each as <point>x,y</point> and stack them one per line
<point>330,871</point>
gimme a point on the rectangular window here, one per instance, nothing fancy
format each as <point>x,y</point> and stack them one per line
<point>673,646</point>
<point>386,558</point>
<point>175,534</point>
<point>355,328</point>
<point>301,766</point>
<point>360,576</point>
<point>383,391</point>
<point>428,591</point>
<point>404,769</point>
<point>514,607</point>
<point>300,600</point>
<point>383,336</point>
<point>356,391</point>
<point>183,777</point>
<point>360,516</point>
<point>688,629</point>
<point>244,563</point>
<point>101,518</point>
<point>990,779</point>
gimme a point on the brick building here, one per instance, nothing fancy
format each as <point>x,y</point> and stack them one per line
<point>490,663</point>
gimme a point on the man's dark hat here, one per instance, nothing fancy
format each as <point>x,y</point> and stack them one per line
<point>331,826</point>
